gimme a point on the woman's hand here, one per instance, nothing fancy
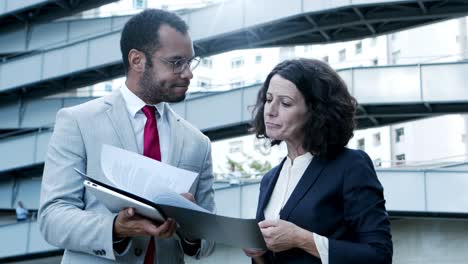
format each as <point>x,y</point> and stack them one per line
<point>279,235</point>
<point>282,235</point>
<point>255,254</point>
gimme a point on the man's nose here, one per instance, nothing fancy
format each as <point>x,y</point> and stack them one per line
<point>186,73</point>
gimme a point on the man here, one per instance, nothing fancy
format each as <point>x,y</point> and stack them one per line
<point>158,58</point>
<point>21,212</point>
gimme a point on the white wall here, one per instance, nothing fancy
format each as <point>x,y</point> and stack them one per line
<point>382,151</point>
<point>432,43</point>
<point>431,139</point>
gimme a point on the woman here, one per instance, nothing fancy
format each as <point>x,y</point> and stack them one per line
<point>323,203</point>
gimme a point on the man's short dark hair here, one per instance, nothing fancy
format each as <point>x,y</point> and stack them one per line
<point>330,113</point>
<point>141,32</point>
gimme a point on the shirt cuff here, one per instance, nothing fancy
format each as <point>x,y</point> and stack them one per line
<point>321,243</point>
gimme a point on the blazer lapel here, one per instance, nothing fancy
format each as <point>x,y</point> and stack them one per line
<point>269,190</point>
<point>303,186</point>
<point>120,120</point>
<point>177,136</point>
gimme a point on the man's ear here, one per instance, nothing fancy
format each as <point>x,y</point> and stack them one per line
<point>136,60</point>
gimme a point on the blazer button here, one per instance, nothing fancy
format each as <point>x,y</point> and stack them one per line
<point>103,252</point>
<point>138,252</point>
<point>95,252</point>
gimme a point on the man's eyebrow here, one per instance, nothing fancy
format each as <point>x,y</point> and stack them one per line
<point>177,57</point>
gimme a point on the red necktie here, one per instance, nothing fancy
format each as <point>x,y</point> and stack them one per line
<point>151,149</point>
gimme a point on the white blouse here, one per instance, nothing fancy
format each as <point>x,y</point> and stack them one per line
<point>289,176</point>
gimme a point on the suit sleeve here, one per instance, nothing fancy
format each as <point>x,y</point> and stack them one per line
<point>205,197</point>
<point>365,215</point>
<point>63,219</point>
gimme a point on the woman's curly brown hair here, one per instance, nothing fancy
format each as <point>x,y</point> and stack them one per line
<point>330,114</point>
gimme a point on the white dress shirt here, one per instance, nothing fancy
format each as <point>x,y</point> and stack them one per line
<point>289,176</point>
<point>137,117</point>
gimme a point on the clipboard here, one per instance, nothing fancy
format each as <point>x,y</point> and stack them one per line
<point>115,201</point>
<point>242,233</point>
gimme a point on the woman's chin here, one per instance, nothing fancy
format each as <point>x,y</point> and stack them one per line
<point>273,136</point>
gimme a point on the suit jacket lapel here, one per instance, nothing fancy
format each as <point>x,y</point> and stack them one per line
<point>177,137</point>
<point>118,115</point>
<point>303,186</point>
<point>269,190</point>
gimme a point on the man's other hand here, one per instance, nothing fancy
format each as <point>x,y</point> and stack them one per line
<point>188,196</point>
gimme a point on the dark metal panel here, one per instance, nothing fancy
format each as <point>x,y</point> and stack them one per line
<point>9,115</point>
<point>20,72</point>
<point>17,14</point>
<point>71,59</point>
<point>341,22</point>
<point>6,193</point>
<point>225,108</point>
<point>40,150</point>
<point>104,50</point>
<point>14,5</point>
<point>45,35</point>
<point>71,101</point>
<point>201,27</point>
<point>29,190</point>
<point>17,239</point>
<point>86,28</point>
<point>12,42</point>
<point>17,151</point>
<point>40,113</point>
<point>58,33</point>
<point>262,11</point>
<point>118,22</point>
<point>37,244</point>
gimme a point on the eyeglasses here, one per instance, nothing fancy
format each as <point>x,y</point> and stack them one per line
<point>178,66</point>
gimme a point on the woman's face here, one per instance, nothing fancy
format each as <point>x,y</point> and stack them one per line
<point>284,112</point>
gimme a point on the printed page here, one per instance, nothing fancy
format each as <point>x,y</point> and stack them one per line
<point>141,175</point>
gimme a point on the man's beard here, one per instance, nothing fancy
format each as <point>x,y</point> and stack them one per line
<point>153,91</point>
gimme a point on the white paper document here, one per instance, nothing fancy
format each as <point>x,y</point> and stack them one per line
<point>160,185</point>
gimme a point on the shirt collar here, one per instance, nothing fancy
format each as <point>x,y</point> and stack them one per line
<point>135,104</point>
<point>300,161</point>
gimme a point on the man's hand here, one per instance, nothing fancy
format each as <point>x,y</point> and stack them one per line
<point>189,197</point>
<point>129,224</point>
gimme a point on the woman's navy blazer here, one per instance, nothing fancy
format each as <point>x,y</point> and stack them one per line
<point>341,199</point>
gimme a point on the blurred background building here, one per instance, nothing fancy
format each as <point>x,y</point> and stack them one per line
<point>405,62</point>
